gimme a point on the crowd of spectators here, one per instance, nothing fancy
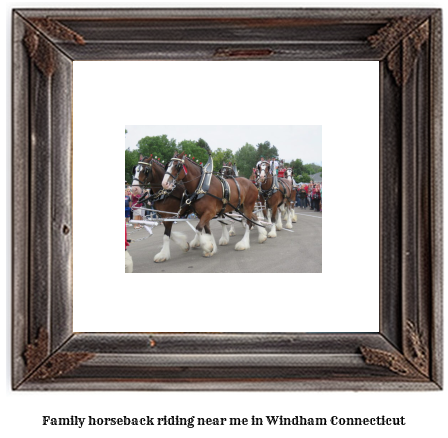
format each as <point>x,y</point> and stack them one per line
<point>309,195</point>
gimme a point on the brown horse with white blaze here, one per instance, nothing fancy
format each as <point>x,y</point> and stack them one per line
<point>210,197</point>
<point>227,171</point>
<point>289,175</point>
<point>150,172</point>
<point>274,196</point>
<point>261,204</point>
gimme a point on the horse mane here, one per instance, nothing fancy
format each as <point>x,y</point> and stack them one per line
<point>158,162</point>
<point>184,155</point>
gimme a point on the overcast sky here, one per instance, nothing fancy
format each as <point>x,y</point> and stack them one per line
<point>292,142</point>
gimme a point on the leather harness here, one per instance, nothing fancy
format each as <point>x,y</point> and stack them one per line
<point>266,194</point>
<point>204,186</point>
<point>162,194</point>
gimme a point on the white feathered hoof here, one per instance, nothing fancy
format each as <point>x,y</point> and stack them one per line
<point>208,245</point>
<point>262,235</point>
<point>294,219</point>
<point>232,232</point>
<point>272,233</point>
<point>181,240</point>
<point>240,246</point>
<point>288,225</point>
<point>164,253</point>
<point>196,242</point>
<point>223,241</point>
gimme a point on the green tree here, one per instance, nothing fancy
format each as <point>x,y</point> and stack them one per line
<point>266,150</point>
<point>297,165</point>
<point>159,146</point>
<point>246,159</point>
<point>193,150</point>
<point>220,156</point>
<point>312,168</point>
<point>303,177</point>
<point>130,160</point>
<point>204,145</point>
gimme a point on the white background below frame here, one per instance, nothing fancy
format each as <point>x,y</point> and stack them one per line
<point>343,97</point>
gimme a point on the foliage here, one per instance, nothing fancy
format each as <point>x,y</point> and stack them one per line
<point>312,168</point>
<point>220,156</point>
<point>246,158</point>
<point>266,151</point>
<point>297,165</point>
<point>204,145</point>
<point>130,160</point>
<point>195,151</point>
<point>303,177</point>
<point>159,146</point>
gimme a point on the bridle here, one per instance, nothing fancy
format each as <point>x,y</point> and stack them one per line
<point>225,170</point>
<point>148,170</point>
<point>178,167</point>
<point>262,167</point>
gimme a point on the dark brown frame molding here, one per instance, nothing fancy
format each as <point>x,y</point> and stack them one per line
<point>406,354</point>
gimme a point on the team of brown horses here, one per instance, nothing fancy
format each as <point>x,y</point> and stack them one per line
<point>184,186</point>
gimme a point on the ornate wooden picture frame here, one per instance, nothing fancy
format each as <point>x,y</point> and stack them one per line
<point>406,353</point>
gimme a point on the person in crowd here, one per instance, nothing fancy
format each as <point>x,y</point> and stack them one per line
<point>310,194</point>
<point>281,172</point>
<point>320,185</point>
<point>128,263</point>
<point>127,207</point>
<point>305,202</point>
<point>315,195</point>
<point>136,207</point>
<point>302,196</point>
<point>260,161</point>
<point>273,164</point>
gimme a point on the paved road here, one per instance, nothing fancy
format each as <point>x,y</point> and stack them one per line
<point>290,252</point>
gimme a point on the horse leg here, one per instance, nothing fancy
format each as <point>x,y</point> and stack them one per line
<point>262,233</point>
<point>232,230</point>
<point>278,224</point>
<point>283,211</point>
<point>260,208</point>
<point>267,214</point>
<point>164,253</point>
<point>181,240</point>
<point>288,224</point>
<point>273,232</point>
<point>293,210</point>
<point>244,243</point>
<point>225,236</point>
<point>196,242</point>
<point>208,243</point>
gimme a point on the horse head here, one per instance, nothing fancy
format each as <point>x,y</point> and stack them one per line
<point>176,170</point>
<point>263,170</point>
<point>254,176</point>
<point>139,175</point>
<point>226,170</point>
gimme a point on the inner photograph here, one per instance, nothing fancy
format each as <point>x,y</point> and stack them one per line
<point>223,199</point>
